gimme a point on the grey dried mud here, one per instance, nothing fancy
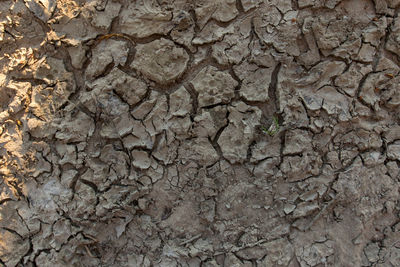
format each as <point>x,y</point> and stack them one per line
<point>134,133</point>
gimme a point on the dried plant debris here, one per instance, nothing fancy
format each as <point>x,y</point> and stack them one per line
<point>199,133</point>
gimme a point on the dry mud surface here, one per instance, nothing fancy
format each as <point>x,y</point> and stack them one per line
<point>199,133</point>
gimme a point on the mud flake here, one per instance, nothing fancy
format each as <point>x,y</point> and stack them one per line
<point>41,166</point>
<point>16,247</point>
<point>104,18</point>
<point>13,94</point>
<point>239,133</point>
<point>367,53</point>
<point>349,80</point>
<point>160,60</point>
<point>130,89</point>
<point>208,122</point>
<point>372,252</point>
<point>223,11</point>
<point>360,181</point>
<point>305,209</point>
<point>145,18</point>
<point>330,32</point>
<point>249,4</point>
<point>394,37</point>
<point>314,254</point>
<point>178,127</point>
<point>255,81</point>
<point>214,86</point>
<point>199,150</point>
<point>265,149</point>
<point>123,124</point>
<point>375,32</point>
<point>43,9</point>
<point>210,33</point>
<point>74,31</point>
<point>39,128</point>
<point>180,102</point>
<point>232,260</point>
<point>361,138</point>
<point>52,70</point>
<point>140,159</point>
<point>234,46</point>
<point>119,161</point>
<point>253,253</point>
<point>393,133</point>
<point>321,74</point>
<point>335,103</point>
<point>297,168</point>
<point>271,31</point>
<point>139,137</point>
<point>183,31</point>
<point>84,203</point>
<point>393,151</point>
<point>75,129</point>
<point>279,253</point>
<point>111,200</point>
<point>289,208</point>
<point>296,141</point>
<point>266,168</point>
<point>78,55</point>
<point>106,53</point>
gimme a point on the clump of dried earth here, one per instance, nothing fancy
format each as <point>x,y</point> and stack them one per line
<point>131,133</point>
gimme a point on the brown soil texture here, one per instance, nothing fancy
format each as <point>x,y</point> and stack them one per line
<point>199,133</point>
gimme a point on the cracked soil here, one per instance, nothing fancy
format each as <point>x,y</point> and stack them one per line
<point>200,133</point>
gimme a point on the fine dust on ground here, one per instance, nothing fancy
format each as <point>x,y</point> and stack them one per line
<point>199,133</point>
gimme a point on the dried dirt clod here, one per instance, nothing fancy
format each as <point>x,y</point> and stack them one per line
<point>214,86</point>
<point>349,80</point>
<point>266,168</point>
<point>199,150</point>
<point>237,136</point>
<point>232,260</point>
<point>131,90</point>
<point>223,11</point>
<point>145,18</point>
<point>279,253</point>
<point>106,53</point>
<point>104,18</point>
<point>273,30</point>
<point>141,159</point>
<point>297,168</point>
<point>234,46</point>
<point>304,209</point>
<point>296,141</point>
<point>314,254</point>
<point>252,253</point>
<point>160,60</point>
<point>16,249</point>
<point>210,33</point>
<point>75,129</point>
<point>392,133</point>
<point>208,122</point>
<point>393,151</point>
<point>393,40</point>
<point>180,102</point>
<point>255,81</point>
<point>78,55</point>
<point>372,252</point>
<point>41,9</point>
<point>248,4</point>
